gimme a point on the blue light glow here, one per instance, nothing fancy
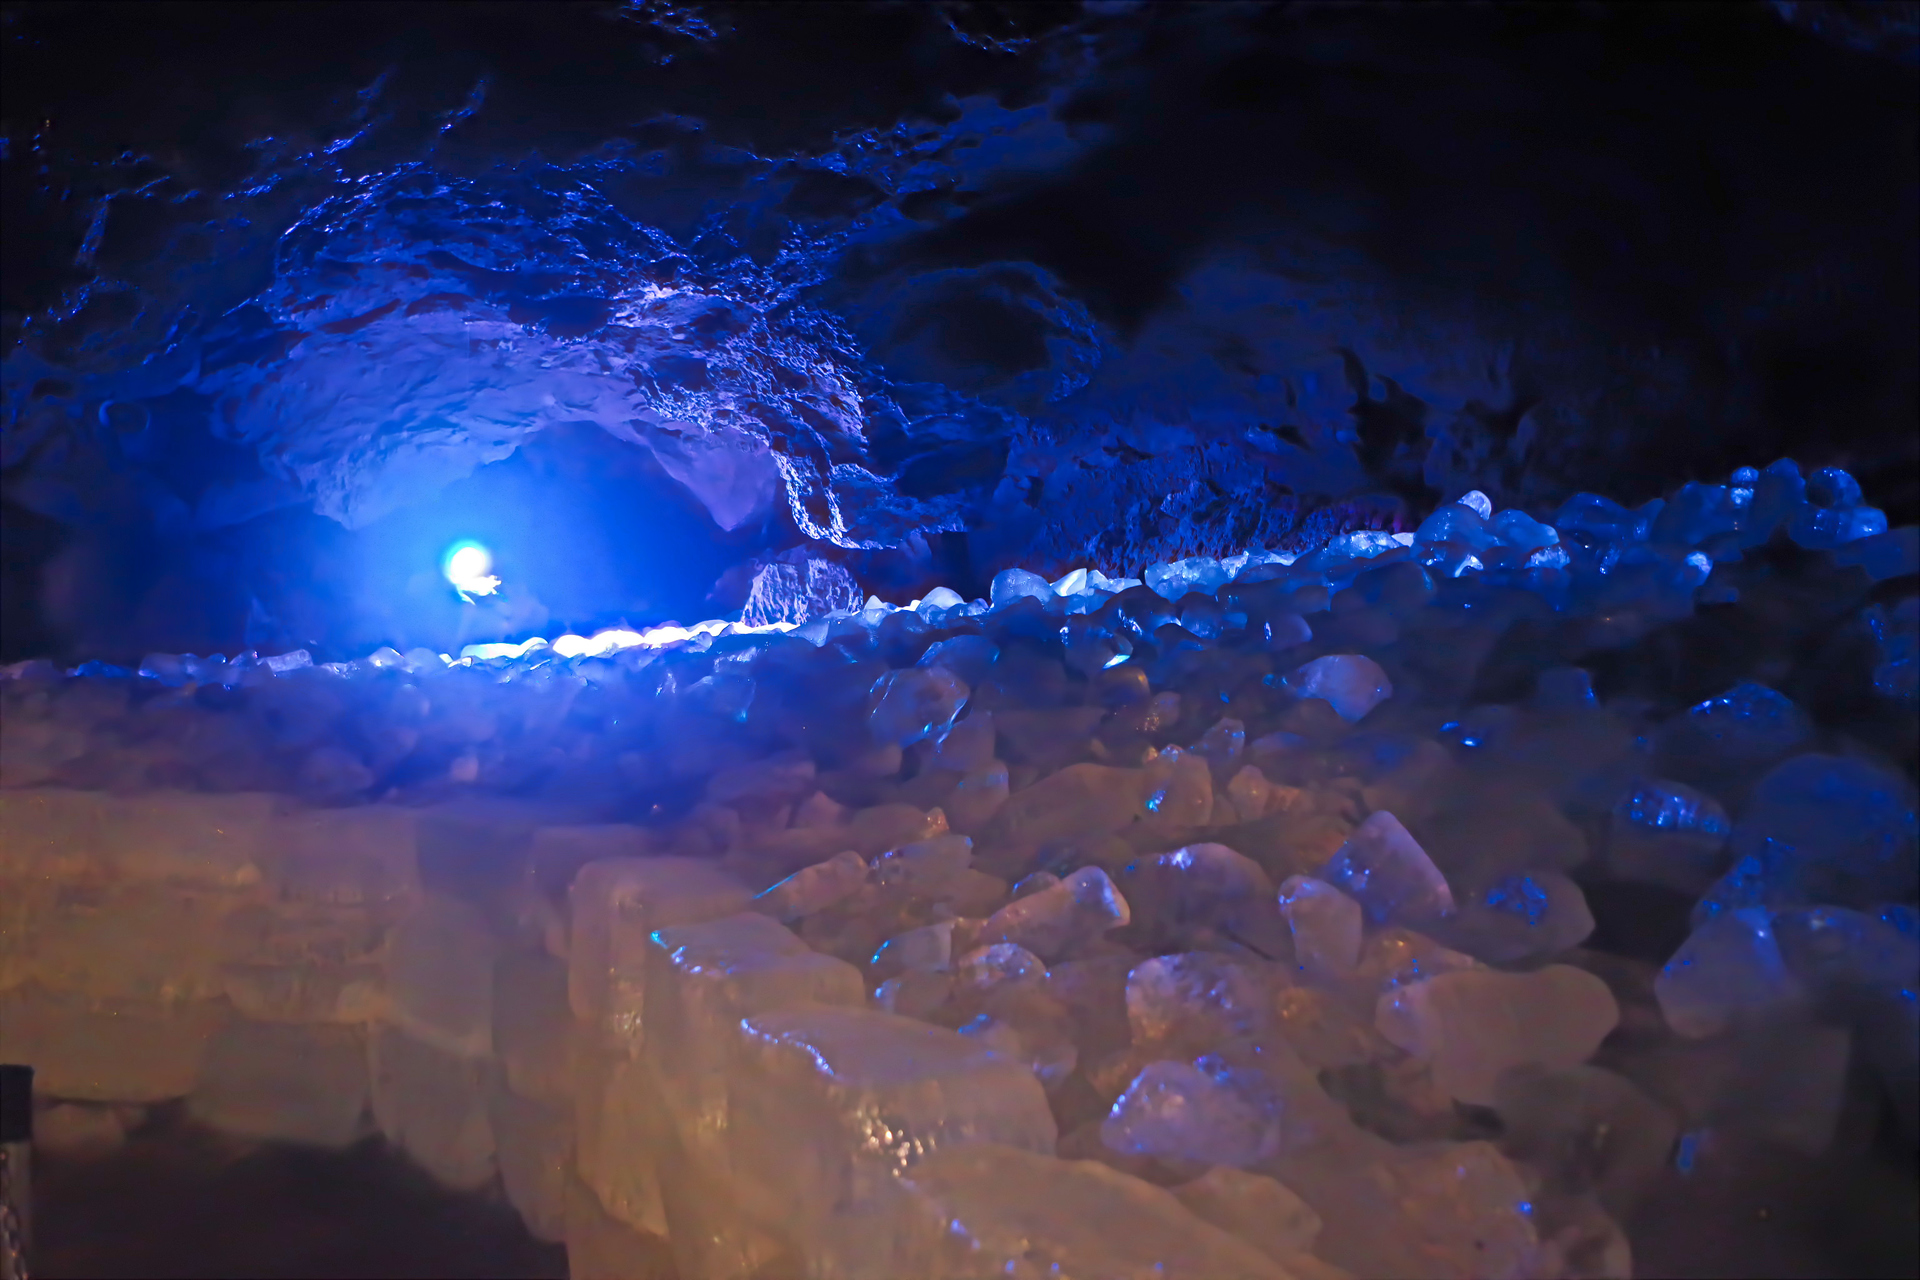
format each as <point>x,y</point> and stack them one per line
<point>468,566</point>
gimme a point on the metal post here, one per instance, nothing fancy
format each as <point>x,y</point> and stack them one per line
<point>16,1170</point>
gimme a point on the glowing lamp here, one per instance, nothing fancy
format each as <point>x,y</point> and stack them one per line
<point>468,567</point>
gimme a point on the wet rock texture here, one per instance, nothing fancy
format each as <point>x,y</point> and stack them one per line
<point>973,284</point>
<point>1259,919</point>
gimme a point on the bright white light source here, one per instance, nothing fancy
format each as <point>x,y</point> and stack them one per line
<point>468,567</point>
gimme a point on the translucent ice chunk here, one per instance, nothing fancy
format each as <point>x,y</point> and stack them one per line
<point>1001,966</point>
<point>828,1107</point>
<point>1750,721</point>
<point>1825,528</point>
<point>1010,585</point>
<point>616,904</point>
<point>1838,953</point>
<point>1455,524</point>
<point>1892,554</point>
<point>703,979</point>
<point>916,993</point>
<point>1203,886</point>
<point>106,1051</point>
<point>924,864</point>
<point>1249,793</point>
<point>1179,790</point>
<point>1195,1001</point>
<point>1259,1210</point>
<point>1203,1111</point>
<point>984,1209</point>
<point>814,888</point>
<point>1052,922</point>
<point>281,1083</point>
<point>1077,801</point>
<point>929,947</point>
<point>1587,1130</point>
<point>299,962</point>
<point>433,1105</point>
<point>1385,868</point>
<point>136,942</point>
<point>1352,683</point>
<point>1177,578</point>
<point>603,1247</point>
<point>534,1148</point>
<point>1822,829</point>
<point>1478,501</point>
<point>1474,1024</point>
<point>217,841</point>
<point>1604,518</point>
<point>531,1026</point>
<point>967,744</point>
<point>1731,968</point>
<point>911,704</point>
<point>1325,924</point>
<point>1670,834</point>
<point>361,856</point>
<point>440,977</point>
<point>1519,917</point>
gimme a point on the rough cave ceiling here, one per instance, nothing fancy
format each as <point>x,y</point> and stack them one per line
<point>1107,282</point>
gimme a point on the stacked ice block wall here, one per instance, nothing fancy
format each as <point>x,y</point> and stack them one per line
<point>1226,923</point>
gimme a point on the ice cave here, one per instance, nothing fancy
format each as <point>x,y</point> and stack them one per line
<point>943,639</point>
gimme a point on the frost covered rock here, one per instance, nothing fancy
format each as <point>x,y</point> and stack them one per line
<point>793,593</point>
<point>1353,684</point>
<point>1474,1025</point>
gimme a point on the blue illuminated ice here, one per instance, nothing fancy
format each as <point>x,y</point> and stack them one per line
<point>1325,924</point>
<point>1750,721</point>
<point>1822,829</point>
<point>1203,1111</point>
<point>1176,579</point>
<point>1730,970</point>
<point>912,704</point>
<point>1388,872</point>
<point>1352,683</point>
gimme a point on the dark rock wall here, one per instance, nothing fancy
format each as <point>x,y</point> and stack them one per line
<point>296,295</point>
